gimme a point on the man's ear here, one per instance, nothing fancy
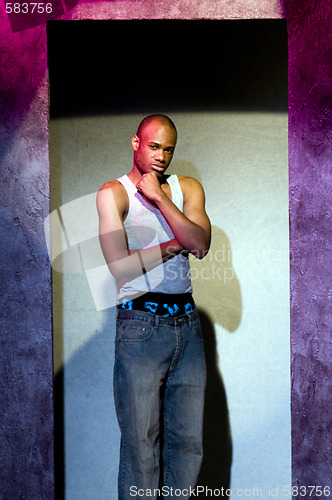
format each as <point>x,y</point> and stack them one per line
<point>135,142</point>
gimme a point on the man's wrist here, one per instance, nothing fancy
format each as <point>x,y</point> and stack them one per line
<point>160,197</point>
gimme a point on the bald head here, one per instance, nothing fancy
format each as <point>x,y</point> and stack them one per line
<point>153,145</point>
<point>157,119</point>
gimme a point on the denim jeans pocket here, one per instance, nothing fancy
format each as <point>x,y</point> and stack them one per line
<point>198,330</point>
<point>133,330</point>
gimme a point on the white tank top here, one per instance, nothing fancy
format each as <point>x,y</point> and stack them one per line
<point>146,227</point>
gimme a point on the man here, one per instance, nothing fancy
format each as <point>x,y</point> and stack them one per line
<point>149,223</point>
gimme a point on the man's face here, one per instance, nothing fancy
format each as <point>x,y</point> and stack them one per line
<point>153,150</point>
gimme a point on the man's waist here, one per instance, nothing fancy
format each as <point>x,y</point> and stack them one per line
<point>162,304</point>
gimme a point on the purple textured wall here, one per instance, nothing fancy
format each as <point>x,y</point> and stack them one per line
<point>26,339</point>
<point>26,412</point>
<point>310,139</point>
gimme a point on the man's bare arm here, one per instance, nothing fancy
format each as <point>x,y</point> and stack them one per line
<point>191,228</point>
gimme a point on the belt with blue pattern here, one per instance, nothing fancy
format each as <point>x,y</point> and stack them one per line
<point>163,304</point>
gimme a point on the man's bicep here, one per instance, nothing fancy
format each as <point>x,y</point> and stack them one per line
<point>112,234</point>
<point>194,205</point>
<point>108,211</point>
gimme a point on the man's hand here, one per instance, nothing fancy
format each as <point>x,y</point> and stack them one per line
<point>191,228</point>
<point>149,186</point>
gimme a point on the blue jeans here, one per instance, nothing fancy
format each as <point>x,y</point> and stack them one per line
<point>159,385</point>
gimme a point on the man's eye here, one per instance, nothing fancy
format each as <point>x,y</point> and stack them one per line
<point>153,147</point>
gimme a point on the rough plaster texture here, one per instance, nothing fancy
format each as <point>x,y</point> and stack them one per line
<point>183,9</point>
<point>310,139</point>
<point>26,415</point>
<point>26,420</point>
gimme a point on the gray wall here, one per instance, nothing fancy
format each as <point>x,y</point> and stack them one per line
<point>241,286</point>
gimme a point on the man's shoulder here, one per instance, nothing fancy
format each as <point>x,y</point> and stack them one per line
<point>192,190</point>
<point>113,191</point>
<point>113,188</point>
<point>113,185</point>
<point>188,183</point>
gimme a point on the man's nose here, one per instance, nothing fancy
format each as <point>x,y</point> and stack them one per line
<point>160,155</point>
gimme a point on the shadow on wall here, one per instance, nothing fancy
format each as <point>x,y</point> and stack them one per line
<point>217,444</point>
<point>218,296</point>
<point>217,289</point>
<point>216,286</point>
<point>86,429</point>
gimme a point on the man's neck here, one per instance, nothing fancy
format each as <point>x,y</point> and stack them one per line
<point>134,175</point>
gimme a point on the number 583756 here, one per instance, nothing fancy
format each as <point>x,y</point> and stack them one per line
<point>28,8</point>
